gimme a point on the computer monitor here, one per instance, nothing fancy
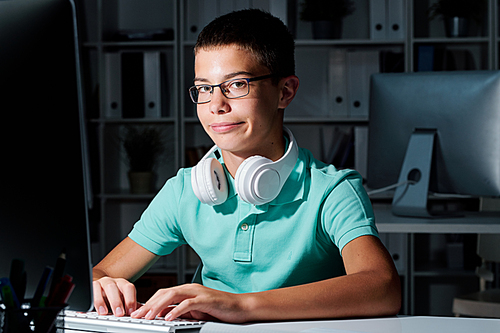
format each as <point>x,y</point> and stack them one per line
<point>438,130</point>
<point>43,192</point>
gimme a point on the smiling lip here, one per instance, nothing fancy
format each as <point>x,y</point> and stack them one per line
<point>224,127</point>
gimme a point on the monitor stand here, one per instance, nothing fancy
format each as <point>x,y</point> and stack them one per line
<point>411,199</point>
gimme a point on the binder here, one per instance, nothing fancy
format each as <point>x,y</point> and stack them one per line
<point>337,80</point>
<point>112,85</point>
<point>361,64</point>
<point>425,58</point>
<point>193,21</point>
<point>387,19</point>
<point>152,84</point>
<point>395,23</point>
<point>377,19</point>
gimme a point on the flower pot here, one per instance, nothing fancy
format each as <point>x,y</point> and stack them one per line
<point>327,29</point>
<point>141,182</point>
<point>456,26</point>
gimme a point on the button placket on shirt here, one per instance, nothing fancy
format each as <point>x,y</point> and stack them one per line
<point>243,247</point>
<point>244,240</point>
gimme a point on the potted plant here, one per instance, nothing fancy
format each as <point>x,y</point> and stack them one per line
<point>457,15</point>
<point>326,16</point>
<point>144,147</point>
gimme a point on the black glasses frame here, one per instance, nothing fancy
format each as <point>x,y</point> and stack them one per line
<point>193,90</point>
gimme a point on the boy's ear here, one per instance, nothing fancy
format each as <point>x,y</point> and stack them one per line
<point>289,87</point>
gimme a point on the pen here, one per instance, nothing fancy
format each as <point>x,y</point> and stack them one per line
<point>42,284</point>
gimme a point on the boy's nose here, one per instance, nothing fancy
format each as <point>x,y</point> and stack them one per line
<point>218,102</point>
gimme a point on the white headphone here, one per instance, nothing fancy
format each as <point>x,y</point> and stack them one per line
<point>258,179</point>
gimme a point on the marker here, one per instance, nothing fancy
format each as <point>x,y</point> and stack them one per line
<point>42,284</point>
<point>58,271</point>
<point>18,278</point>
<point>8,294</point>
<point>62,292</point>
<point>58,298</point>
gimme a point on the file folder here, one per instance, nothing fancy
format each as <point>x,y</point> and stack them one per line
<point>361,64</point>
<point>112,85</point>
<point>338,82</point>
<point>152,84</point>
<point>394,24</point>
<point>377,19</point>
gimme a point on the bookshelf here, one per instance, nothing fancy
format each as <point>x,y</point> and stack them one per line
<point>332,99</point>
<point>131,57</point>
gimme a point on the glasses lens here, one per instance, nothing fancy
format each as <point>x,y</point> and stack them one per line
<point>235,88</point>
<point>200,94</point>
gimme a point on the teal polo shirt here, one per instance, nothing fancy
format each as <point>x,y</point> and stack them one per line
<point>297,238</point>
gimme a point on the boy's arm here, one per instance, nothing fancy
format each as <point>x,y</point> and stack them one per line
<point>371,287</point>
<point>112,287</point>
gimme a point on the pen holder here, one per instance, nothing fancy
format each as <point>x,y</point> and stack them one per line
<point>24,320</point>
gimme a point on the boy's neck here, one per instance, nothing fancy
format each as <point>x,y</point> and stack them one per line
<point>232,160</point>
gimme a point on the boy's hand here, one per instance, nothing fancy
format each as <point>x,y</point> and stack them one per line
<point>117,295</point>
<point>194,302</point>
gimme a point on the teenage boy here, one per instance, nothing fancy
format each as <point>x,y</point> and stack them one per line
<point>311,252</point>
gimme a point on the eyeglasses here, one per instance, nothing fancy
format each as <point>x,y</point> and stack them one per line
<point>234,88</point>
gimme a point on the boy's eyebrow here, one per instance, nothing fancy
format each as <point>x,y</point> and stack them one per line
<point>226,77</point>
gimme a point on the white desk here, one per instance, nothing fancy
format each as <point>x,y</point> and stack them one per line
<point>374,325</point>
<point>472,223</point>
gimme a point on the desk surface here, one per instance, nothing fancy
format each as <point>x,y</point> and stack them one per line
<point>472,223</point>
<point>374,325</point>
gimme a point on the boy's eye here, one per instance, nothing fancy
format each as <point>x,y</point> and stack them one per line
<point>239,84</point>
<point>204,89</point>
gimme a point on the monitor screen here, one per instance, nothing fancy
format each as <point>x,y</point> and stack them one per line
<point>43,203</point>
<point>461,109</point>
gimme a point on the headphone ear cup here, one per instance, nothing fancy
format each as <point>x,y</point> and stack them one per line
<point>256,182</point>
<point>209,182</point>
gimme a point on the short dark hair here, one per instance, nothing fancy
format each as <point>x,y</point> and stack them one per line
<point>257,31</point>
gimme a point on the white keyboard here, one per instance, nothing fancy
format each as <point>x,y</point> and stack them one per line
<point>92,322</point>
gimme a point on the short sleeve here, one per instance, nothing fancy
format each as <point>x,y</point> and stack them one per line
<point>158,228</point>
<point>347,212</point>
